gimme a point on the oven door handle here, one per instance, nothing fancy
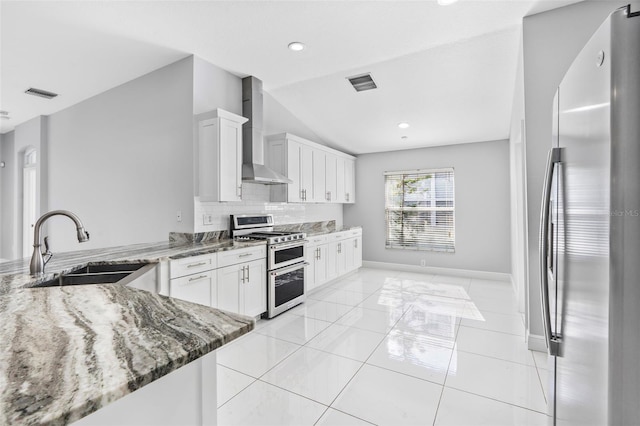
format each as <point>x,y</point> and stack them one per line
<point>288,244</point>
<point>288,269</point>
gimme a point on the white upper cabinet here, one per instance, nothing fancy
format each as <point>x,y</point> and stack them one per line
<point>318,172</point>
<point>346,192</point>
<point>220,157</point>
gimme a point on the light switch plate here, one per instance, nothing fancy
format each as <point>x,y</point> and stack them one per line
<point>207,219</point>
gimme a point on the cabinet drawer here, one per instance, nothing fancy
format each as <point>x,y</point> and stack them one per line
<point>316,240</point>
<point>196,288</point>
<point>339,236</point>
<point>232,257</point>
<point>192,265</point>
<point>354,233</point>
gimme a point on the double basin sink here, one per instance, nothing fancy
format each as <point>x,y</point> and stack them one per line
<point>132,274</point>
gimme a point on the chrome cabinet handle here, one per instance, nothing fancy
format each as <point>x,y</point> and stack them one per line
<point>239,191</point>
<point>355,243</point>
<point>242,279</point>
<point>197,278</point>
<point>339,247</point>
<point>245,254</point>
<point>193,265</point>
<point>553,158</point>
<point>248,274</point>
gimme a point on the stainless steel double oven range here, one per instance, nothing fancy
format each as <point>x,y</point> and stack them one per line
<point>285,259</point>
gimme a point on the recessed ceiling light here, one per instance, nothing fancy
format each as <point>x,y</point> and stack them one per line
<point>446,2</point>
<point>403,125</point>
<point>296,46</point>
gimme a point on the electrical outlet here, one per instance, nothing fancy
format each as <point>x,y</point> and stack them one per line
<point>423,262</point>
<point>179,216</point>
<point>207,219</point>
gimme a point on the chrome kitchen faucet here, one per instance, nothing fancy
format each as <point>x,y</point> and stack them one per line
<point>37,264</point>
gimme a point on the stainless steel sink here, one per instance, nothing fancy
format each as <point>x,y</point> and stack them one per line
<point>120,273</point>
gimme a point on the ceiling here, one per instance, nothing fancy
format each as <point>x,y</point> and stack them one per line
<point>449,71</point>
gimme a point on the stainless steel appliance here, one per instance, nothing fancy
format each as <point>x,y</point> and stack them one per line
<point>285,259</point>
<point>590,232</point>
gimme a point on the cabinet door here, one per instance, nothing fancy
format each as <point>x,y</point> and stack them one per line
<point>229,288</point>
<point>306,173</point>
<point>357,254</point>
<point>349,181</point>
<point>319,173</point>
<point>230,164</point>
<point>196,288</point>
<point>253,288</point>
<point>341,258</point>
<point>332,260</point>
<point>320,268</point>
<point>340,184</point>
<point>349,248</point>
<point>294,158</point>
<point>330,179</point>
<point>310,255</point>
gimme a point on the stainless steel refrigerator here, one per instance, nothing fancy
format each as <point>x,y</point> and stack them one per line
<point>590,232</point>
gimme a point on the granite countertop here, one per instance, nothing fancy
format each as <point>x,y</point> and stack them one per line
<point>68,351</point>
<point>333,231</point>
<point>15,274</point>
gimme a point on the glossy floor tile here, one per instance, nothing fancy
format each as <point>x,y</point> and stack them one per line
<point>459,408</point>
<point>294,328</point>
<point>320,310</point>
<point>349,342</point>
<point>388,347</point>
<point>494,344</point>
<point>265,404</point>
<point>254,354</point>
<point>385,397</point>
<point>494,321</point>
<point>370,319</point>
<point>314,374</point>
<point>414,355</point>
<point>230,383</point>
<point>333,417</point>
<point>505,381</point>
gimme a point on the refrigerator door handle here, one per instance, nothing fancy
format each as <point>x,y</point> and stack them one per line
<point>553,159</point>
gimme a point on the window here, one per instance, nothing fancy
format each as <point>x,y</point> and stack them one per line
<point>419,208</point>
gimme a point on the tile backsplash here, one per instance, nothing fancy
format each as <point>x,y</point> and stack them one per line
<point>256,200</point>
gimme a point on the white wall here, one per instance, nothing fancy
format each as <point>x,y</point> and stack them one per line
<point>551,41</point>
<point>122,161</point>
<point>8,231</point>
<point>481,199</point>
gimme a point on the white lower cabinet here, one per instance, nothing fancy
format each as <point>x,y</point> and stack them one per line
<point>197,288</point>
<point>193,279</point>
<point>316,257</point>
<point>242,288</point>
<point>233,280</point>
<point>353,253</point>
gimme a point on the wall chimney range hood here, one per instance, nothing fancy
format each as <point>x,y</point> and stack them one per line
<point>253,168</point>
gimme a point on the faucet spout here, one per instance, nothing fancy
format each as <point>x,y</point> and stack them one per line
<point>36,267</point>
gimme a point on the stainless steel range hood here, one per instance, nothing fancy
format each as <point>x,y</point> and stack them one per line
<point>253,168</point>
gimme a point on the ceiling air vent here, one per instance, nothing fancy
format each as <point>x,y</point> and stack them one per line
<point>41,93</point>
<point>362,82</point>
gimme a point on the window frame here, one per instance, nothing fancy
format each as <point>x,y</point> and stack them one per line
<point>446,246</point>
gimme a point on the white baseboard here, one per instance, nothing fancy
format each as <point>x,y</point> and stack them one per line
<point>536,342</point>
<point>467,273</point>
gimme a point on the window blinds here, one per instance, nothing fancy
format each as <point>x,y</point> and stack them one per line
<point>420,209</point>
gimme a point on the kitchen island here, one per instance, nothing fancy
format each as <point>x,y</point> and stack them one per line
<point>68,351</point>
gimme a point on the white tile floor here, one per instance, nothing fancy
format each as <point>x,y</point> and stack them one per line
<point>389,348</point>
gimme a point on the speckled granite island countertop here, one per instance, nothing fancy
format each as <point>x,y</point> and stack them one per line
<point>68,351</point>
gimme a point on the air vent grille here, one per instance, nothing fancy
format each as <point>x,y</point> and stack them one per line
<point>362,82</point>
<point>41,93</point>
<point>4,115</point>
